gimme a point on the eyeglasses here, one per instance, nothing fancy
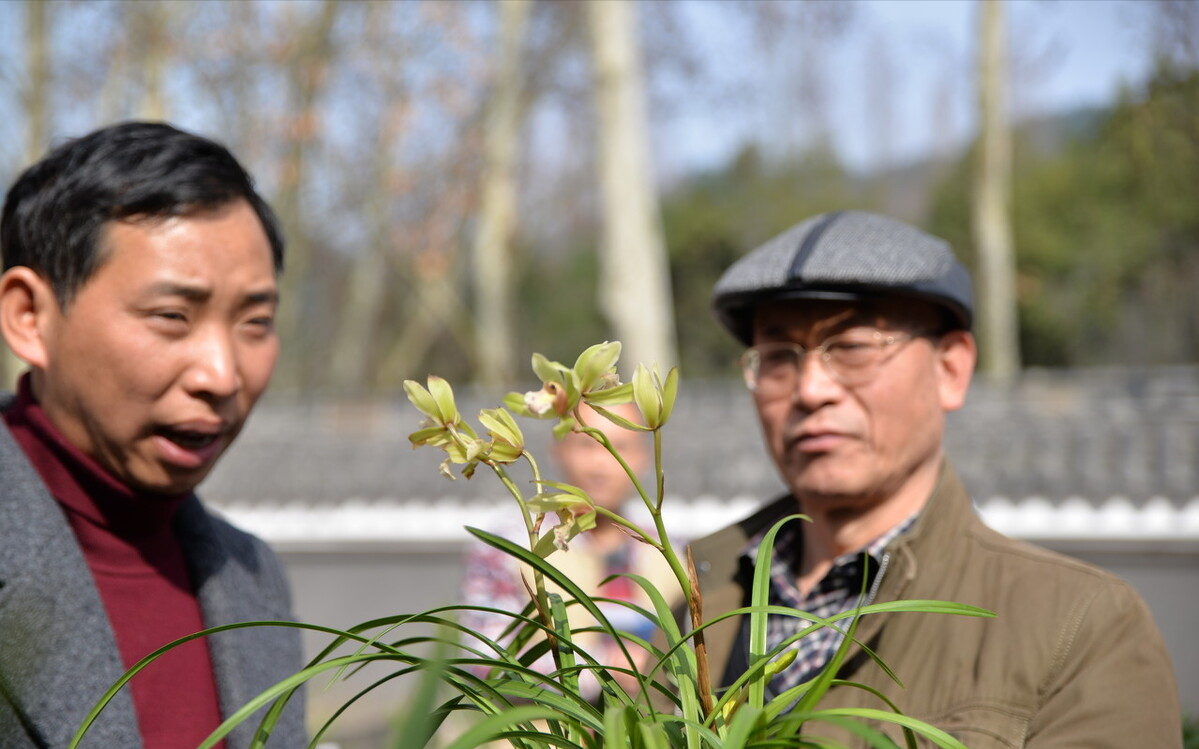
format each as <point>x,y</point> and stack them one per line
<point>853,358</point>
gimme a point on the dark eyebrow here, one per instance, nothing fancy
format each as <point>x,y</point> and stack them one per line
<point>170,288</point>
<point>202,293</point>
<point>263,297</point>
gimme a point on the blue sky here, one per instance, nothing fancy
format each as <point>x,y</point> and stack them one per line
<point>1065,54</point>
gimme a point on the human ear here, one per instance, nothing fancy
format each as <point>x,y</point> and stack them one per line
<point>956,356</point>
<point>26,303</point>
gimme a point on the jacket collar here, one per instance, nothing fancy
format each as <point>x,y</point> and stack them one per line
<point>945,517</point>
<point>943,521</point>
<point>723,583</point>
<point>58,653</point>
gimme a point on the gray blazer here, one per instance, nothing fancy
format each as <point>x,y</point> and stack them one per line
<point>58,653</point>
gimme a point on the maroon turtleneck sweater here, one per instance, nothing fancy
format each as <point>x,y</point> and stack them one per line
<point>139,568</point>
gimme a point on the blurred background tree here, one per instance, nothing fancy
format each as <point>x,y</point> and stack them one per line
<point>412,149</point>
<point>1106,229</point>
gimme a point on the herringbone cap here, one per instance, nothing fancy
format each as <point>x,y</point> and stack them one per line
<point>844,255</point>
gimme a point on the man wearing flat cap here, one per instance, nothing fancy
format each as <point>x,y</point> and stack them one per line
<point>859,343</point>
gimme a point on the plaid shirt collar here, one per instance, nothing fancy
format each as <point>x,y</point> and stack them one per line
<point>838,591</point>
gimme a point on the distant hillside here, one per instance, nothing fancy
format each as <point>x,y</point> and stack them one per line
<point>906,190</point>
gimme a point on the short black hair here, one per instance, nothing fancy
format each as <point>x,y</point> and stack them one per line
<point>55,212</point>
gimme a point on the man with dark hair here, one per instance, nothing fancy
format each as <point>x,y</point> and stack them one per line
<point>859,343</point>
<point>140,287</point>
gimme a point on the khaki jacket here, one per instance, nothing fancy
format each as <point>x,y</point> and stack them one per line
<point>1072,659</point>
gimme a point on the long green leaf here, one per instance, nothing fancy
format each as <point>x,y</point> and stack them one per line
<point>319,735</point>
<point>740,731</point>
<point>679,661</point>
<point>287,686</point>
<point>616,727</point>
<point>873,737</point>
<point>917,605</point>
<point>823,681</point>
<point>932,733</point>
<point>568,705</point>
<point>547,569</point>
<point>136,668</point>
<point>653,735</point>
<point>908,736</point>
<point>419,720</point>
<point>494,727</point>
<point>760,597</point>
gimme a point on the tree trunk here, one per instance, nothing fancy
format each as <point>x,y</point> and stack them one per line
<point>38,60</point>
<point>357,344</point>
<point>433,305</point>
<point>992,195</point>
<point>306,77</point>
<point>436,307</point>
<point>36,134</point>
<point>634,288</point>
<point>365,288</point>
<point>493,253</point>
<point>152,22</point>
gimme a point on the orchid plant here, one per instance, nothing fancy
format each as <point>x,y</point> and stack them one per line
<point>476,690</point>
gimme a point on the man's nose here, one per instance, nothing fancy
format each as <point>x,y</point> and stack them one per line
<point>815,384</point>
<point>213,371</point>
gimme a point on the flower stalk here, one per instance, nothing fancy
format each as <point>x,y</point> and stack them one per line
<point>497,685</point>
<point>593,382</point>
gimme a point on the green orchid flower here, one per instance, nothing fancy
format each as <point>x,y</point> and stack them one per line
<point>507,442</point>
<point>654,396</point>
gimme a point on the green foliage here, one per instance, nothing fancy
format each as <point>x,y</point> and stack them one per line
<point>558,300</point>
<point>1106,231</point>
<point>716,218</point>
<point>1190,733</point>
<point>471,690</point>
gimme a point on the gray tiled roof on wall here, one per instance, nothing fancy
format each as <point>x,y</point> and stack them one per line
<point>1089,434</point>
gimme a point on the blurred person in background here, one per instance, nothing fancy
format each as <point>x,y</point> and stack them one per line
<point>859,344</point>
<point>140,288</point>
<point>494,579</point>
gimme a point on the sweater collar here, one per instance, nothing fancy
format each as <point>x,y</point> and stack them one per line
<point>78,482</point>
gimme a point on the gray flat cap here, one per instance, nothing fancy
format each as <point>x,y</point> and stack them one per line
<point>843,255</point>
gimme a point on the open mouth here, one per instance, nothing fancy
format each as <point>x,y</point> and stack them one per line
<point>190,440</point>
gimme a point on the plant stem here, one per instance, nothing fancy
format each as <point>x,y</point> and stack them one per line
<point>695,604</point>
<point>658,470</point>
<point>600,437</point>
<point>622,521</point>
<point>532,526</point>
<point>656,511</point>
<point>655,508</point>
